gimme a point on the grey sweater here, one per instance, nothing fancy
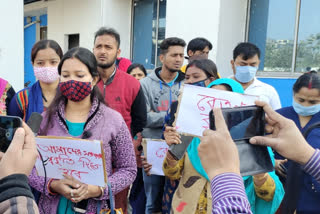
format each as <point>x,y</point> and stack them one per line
<point>159,96</point>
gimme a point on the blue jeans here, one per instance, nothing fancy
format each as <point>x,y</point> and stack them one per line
<point>153,186</point>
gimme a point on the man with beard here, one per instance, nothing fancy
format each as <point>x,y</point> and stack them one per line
<point>121,91</point>
<point>161,88</point>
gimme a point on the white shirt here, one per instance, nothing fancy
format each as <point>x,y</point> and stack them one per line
<point>266,92</point>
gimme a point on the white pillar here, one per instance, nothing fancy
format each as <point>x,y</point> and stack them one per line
<point>11,43</point>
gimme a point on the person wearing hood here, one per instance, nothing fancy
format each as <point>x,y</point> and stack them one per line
<point>161,88</point>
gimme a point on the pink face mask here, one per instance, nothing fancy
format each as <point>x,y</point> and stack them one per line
<point>46,74</point>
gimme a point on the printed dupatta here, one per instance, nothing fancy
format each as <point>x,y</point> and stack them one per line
<point>3,96</point>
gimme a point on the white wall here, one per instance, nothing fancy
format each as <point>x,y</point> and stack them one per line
<point>85,17</point>
<point>188,19</point>
<point>11,43</point>
<point>222,22</point>
<point>232,29</point>
<point>117,14</point>
<point>74,17</point>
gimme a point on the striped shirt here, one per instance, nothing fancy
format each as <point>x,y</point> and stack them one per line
<point>229,195</point>
<point>313,166</point>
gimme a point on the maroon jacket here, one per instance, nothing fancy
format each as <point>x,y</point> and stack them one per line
<point>123,93</point>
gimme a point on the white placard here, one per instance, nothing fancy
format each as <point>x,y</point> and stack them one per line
<point>196,103</point>
<point>156,153</point>
<point>82,159</point>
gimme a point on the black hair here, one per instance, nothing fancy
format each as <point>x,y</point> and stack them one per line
<point>171,41</point>
<point>44,44</point>
<point>247,50</point>
<point>198,44</point>
<point>136,65</point>
<point>87,58</point>
<point>309,80</point>
<point>107,31</point>
<point>207,65</point>
<point>228,87</point>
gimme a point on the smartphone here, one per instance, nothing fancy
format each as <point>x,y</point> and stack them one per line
<point>8,126</point>
<point>178,150</point>
<point>242,122</point>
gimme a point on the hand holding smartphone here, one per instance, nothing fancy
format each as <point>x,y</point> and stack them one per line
<point>8,126</point>
<point>244,123</point>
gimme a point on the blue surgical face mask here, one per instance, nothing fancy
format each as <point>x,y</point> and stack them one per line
<point>305,110</point>
<point>199,83</point>
<point>245,74</point>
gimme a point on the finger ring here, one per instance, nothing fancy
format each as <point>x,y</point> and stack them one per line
<point>71,193</point>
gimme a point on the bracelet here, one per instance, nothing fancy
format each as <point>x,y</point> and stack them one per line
<point>102,192</point>
<point>48,187</point>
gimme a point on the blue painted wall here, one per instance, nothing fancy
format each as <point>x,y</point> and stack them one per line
<point>283,87</point>
<point>259,11</point>
<point>29,40</point>
<point>142,33</point>
<point>44,20</point>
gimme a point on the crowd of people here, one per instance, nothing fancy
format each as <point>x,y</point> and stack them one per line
<point>100,95</point>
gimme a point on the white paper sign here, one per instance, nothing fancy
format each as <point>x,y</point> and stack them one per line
<point>82,159</point>
<point>197,102</point>
<point>156,153</point>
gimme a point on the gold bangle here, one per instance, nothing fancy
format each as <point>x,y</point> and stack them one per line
<point>102,192</point>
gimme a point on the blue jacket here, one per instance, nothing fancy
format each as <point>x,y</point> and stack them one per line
<point>309,197</point>
<point>27,101</point>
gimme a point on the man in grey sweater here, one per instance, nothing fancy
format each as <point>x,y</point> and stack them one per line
<point>161,88</point>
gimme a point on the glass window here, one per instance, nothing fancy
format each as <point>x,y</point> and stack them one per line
<point>308,46</point>
<point>272,29</point>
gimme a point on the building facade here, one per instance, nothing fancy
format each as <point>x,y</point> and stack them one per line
<point>287,31</point>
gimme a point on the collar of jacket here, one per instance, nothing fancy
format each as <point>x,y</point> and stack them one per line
<point>93,116</point>
<point>179,79</point>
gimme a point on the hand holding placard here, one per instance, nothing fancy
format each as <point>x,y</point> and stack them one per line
<point>155,151</point>
<point>82,159</point>
<point>196,102</point>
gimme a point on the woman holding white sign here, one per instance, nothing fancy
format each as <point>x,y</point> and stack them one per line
<point>78,110</point>
<point>199,72</point>
<point>264,191</point>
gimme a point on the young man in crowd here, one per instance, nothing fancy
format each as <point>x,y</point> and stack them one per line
<point>121,91</point>
<point>161,88</point>
<point>197,47</point>
<point>245,64</point>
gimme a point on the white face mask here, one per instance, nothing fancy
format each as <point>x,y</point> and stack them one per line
<point>46,74</point>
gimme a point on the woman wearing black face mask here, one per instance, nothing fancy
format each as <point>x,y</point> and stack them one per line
<point>201,72</point>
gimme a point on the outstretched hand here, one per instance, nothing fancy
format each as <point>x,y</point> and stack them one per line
<point>285,137</point>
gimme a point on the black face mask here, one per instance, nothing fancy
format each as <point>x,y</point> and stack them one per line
<point>200,83</point>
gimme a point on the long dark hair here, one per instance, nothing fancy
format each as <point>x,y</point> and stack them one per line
<point>44,44</point>
<point>86,57</point>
